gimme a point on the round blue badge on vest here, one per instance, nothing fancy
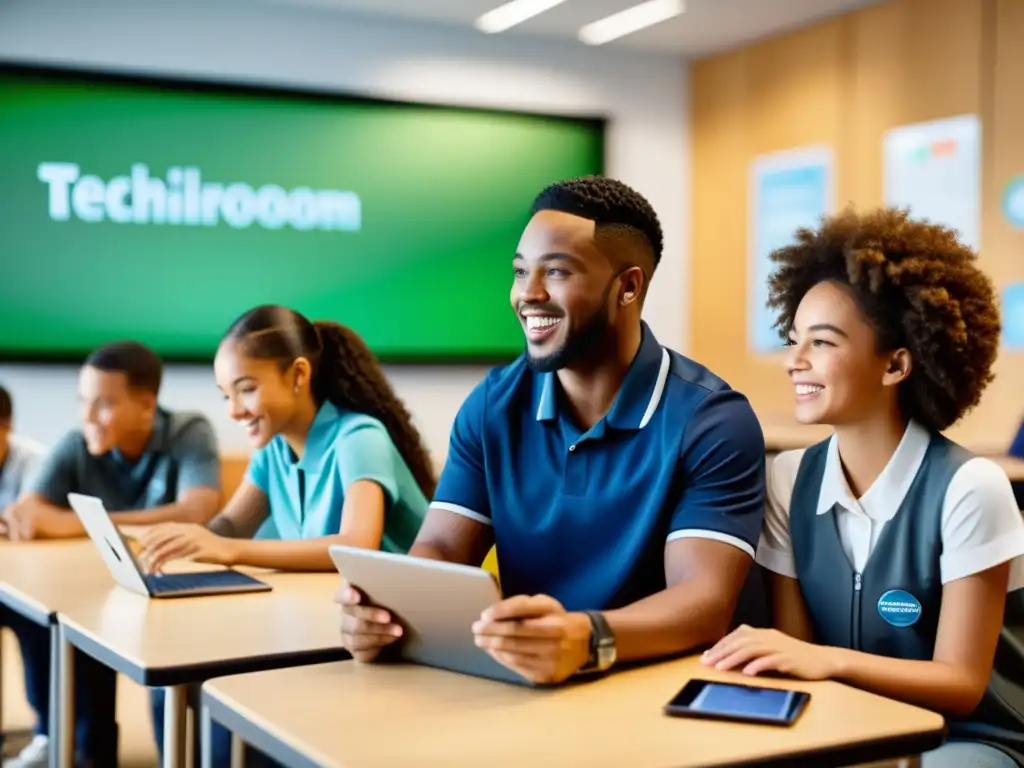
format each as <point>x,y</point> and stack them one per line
<point>899,608</point>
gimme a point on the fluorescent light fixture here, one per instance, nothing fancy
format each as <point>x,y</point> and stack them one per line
<point>512,13</point>
<point>630,20</point>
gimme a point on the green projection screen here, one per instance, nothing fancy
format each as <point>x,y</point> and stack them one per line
<point>161,210</point>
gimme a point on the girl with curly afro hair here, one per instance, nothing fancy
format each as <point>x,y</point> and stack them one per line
<point>891,548</point>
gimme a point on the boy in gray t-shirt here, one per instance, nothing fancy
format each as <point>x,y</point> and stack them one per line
<point>148,466</point>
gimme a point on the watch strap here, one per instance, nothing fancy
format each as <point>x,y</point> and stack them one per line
<point>602,643</point>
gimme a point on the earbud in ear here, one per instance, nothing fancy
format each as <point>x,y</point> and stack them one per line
<point>627,297</point>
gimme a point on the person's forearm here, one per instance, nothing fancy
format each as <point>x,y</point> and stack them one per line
<point>932,684</point>
<point>300,555</point>
<point>428,551</point>
<point>672,621</point>
<point>182,512</point>
<point>61,522</point>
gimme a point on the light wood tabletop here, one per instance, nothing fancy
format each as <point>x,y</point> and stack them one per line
<point>176,643</point>
<point>173,641</point>
<point>41,578</point>
<point>349,714</point>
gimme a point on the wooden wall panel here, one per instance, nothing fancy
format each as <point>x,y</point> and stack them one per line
<point>845,82</point>
<point>1002,246</point>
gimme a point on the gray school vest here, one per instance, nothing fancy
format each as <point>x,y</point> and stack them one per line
<point>892,607</point>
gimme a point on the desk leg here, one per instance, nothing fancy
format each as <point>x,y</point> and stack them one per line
<point>237,751</point>
<point>205,738</point>
<point>62,700</point>
<point>175,709</point>
<point>1,688</point>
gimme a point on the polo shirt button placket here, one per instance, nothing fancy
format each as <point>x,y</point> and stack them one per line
<point>575,471</point>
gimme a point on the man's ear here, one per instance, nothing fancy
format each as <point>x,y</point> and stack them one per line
<point>633,281</point>
<point>900,365</point>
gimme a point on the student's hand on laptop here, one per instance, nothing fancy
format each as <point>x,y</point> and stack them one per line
<point>365,629</point>
<point>178,541</point>
<point>536,637</point>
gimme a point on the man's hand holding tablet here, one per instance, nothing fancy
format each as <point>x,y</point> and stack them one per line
<point>365,629</point>
<point>536,637</point>
<point>533,636</point>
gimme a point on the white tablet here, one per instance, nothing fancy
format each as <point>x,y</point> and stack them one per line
<point>436,604</point>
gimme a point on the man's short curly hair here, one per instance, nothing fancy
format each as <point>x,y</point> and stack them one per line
<point>609,203</point>
<point>920,288</point>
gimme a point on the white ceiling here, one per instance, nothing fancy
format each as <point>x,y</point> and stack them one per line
<point>707,26</point>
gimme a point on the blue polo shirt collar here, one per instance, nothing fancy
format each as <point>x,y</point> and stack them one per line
<point>638,397</point>
<point>320,437</point>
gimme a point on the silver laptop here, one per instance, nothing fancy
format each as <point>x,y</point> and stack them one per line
<point>436,604</point>
<point>126,570</point>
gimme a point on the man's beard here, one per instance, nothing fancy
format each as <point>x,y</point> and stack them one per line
<point>579,344</point>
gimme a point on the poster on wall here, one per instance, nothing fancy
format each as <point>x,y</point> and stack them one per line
<point>1013,317</point>
<point>788,190</point>
<point>934,169</point>
<point>1013,202</point>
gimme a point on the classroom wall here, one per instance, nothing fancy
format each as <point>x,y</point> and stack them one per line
<point>645,98</point>
<point>845,82</point>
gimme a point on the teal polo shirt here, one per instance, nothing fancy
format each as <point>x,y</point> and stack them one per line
<point>306,495</point>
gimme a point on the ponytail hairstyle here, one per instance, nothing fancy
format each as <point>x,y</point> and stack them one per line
<point>344,372</point>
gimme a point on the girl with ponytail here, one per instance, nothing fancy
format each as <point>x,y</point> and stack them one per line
<point>337,460</point>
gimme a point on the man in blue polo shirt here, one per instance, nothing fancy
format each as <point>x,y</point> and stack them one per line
<point>622,483</point>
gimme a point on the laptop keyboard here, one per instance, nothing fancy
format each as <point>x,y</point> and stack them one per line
<point>180,582</point>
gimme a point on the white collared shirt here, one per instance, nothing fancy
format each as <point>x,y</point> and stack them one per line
<point>981,525</point>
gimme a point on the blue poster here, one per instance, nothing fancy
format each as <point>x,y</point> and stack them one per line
<point>789,190</point>
<point>1013,317</point>
<point>1013,202</point>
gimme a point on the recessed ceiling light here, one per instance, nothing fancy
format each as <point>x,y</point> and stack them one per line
<point>630,20</point>
<point>512,13</point>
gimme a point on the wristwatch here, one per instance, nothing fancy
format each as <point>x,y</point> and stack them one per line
<point>602,644</point>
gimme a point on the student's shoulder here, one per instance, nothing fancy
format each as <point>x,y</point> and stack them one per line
<point>501,387</point>
<point>781,478</point>
<point>351,424</point>
<point>186,425</point>
<point>690,385</point>
<point>188,435</point>
<point>983,482</point>
<point>27,448</point>
<point>70,445</point>
<point>708,406</point>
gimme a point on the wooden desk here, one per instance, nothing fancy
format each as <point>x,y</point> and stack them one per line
<point>178,643</point>
<point>353,715</point>
<point>38,579</point>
